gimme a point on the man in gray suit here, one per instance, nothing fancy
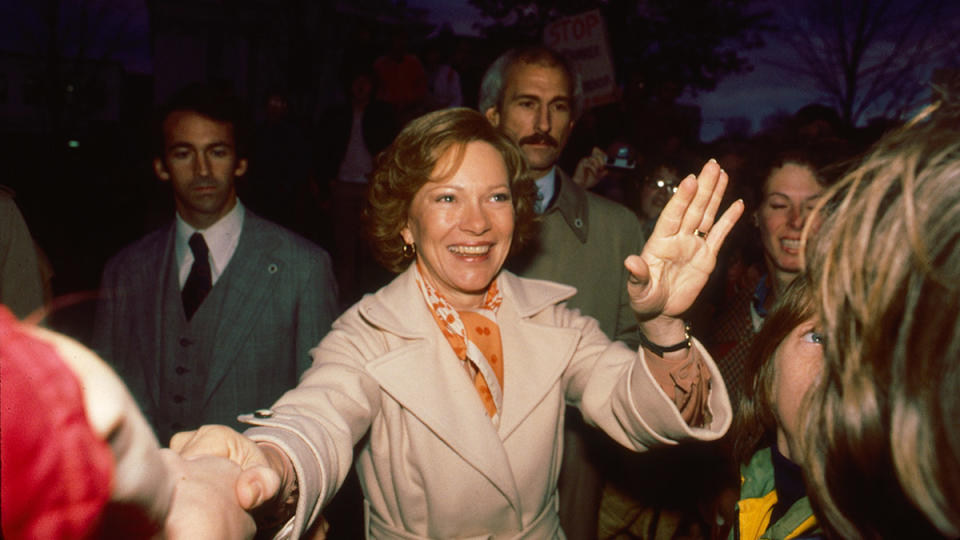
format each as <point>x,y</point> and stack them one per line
<point>212,315</point>
<point>533,95</point>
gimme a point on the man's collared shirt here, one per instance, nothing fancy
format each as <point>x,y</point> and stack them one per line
<point>546,188</point>
<point>222,238</point>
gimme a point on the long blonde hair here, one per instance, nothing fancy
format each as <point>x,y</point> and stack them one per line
<point>882,444</point>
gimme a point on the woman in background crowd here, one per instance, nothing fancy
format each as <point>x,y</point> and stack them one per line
<point>657,185</point>
<point>784,362</point>
<point>790,188</point>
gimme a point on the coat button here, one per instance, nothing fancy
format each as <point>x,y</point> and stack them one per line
<point>181,370</point>
<point>178,399</point>
<point>263,413</point>
<point>578,223</point>
<point>186,342</point>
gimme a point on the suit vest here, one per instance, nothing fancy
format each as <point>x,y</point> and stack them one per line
<point>187,350</point>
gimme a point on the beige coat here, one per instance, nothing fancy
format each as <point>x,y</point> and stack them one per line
<point>431,463</point>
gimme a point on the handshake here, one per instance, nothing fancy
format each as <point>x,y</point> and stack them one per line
<point>87,464</point>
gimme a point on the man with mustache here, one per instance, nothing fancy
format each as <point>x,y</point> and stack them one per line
<point>213,314</point>
<point>534,96</point>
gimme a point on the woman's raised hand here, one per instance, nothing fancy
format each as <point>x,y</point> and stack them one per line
<point>682,251</point>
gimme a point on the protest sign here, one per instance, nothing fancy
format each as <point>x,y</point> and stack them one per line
<point>583,39</point>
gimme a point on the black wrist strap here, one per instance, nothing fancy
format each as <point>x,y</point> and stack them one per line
<point>660,350</point>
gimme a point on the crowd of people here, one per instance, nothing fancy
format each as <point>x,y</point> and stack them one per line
<point>773,332</point>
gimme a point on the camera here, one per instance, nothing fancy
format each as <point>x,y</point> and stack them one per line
<point>623,158</point>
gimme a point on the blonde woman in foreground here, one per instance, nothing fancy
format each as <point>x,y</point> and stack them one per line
<point>882,448</point>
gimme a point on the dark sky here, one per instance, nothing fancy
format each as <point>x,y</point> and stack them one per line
<point>755,95</point>
<point>459,13</point>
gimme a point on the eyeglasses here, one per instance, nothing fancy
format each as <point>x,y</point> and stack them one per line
<point>662,184</point>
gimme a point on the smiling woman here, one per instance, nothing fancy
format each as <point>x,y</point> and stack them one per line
<point>439,142</point>
<point>462,226</point>
<point>789,186</point>
<point>789,192</point>
<point>454,378</point>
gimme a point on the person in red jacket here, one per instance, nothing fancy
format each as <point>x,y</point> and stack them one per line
<point>78,460</point>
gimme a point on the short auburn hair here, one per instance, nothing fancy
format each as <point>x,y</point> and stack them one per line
<point>410,162</point>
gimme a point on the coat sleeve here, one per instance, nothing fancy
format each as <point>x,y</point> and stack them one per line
<point>626,329</point>
<point>318,423</point>
<point>616,391</point>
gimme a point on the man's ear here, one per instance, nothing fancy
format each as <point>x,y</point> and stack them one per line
<point>493,116</point>
<point>241,167</point>
<point>160,170</point>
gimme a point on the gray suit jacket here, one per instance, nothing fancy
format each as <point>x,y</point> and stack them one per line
<point>282,301</point>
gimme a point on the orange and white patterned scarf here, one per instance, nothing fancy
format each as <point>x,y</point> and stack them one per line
<point>475,339</point>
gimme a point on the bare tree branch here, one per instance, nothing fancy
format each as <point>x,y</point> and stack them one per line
<point>865,54</point>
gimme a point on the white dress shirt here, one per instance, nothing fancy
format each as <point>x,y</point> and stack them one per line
<point>222,238</point>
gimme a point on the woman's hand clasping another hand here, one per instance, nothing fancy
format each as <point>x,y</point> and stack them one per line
<point>261,477</point>
<point>204,503</point>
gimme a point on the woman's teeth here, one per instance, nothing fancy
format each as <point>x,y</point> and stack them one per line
<point>469,250</point>
<point>790,244</point>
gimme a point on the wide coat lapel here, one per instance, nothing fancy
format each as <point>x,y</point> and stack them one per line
<point>426,378</point>
<point>254,272</point>
<point>535,355</point>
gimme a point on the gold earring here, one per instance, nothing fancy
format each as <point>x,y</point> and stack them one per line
<point>409,250</point>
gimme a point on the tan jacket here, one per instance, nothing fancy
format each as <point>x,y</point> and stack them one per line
<point>583,241</point>
<point>431,463</point>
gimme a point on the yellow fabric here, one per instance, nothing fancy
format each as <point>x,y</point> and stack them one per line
<point>807,524</point>
<point>755,518</point>
<point>755,515</point>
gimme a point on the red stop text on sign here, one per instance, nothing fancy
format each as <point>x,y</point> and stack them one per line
<point>574,28</point>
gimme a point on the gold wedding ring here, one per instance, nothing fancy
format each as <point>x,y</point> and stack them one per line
<point>699,233</point>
